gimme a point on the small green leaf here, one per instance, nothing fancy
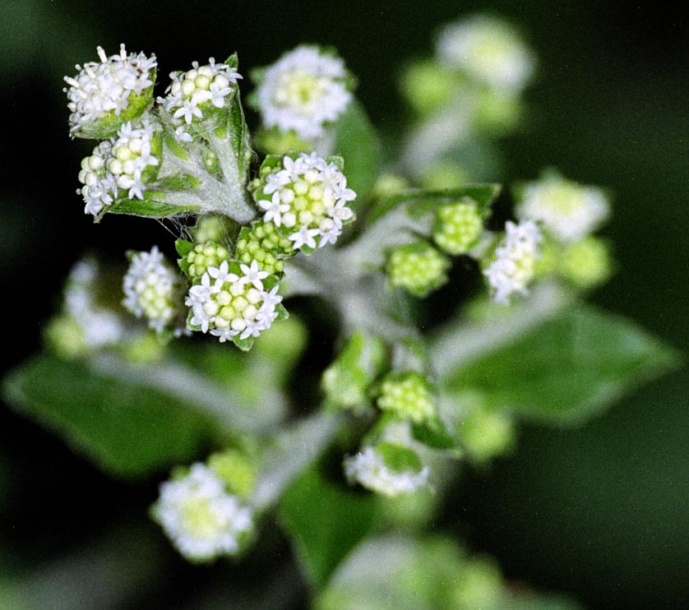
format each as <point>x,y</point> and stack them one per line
<point>435,434</point>
<point>357,142</point>
<point>147,207</point>
<point>127,428</point>
<point>566,369</point>
<point>423,201</point>
<point>326,522</point>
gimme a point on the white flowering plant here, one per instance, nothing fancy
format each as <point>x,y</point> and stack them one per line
<point>448,321</point>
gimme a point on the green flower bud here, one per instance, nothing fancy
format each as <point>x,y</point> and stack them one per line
<point>197,261</point>
<point>586,263</point>
<point>347,380</point>
<point>458,227</point>
<point>485,435</point>
<point>408,395</point>
<point>235,470</point>
<point>264,243</point>
<point>427,85</point>
<point>418,268</point>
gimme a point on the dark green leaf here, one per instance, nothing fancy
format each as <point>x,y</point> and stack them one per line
<point>357,142</point>
<point>148,207</point>
<point>434,434</point>
<point>128,428</point>
<point>566,369</point>
<point>326,523</point>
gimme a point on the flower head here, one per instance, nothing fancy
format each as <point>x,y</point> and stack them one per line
<point>233,302</point>
<point>567,210</point>
<point>514,260</point>
<point>458,227</point>
<point>153,290</point>
<point>488,50</point>
<point>307,198</point>
<point>99,325</point>
<point>387,469</point>
<point>418,267</point>
<point>118,166</point>
<point>202,519</point>
<point>203,88</point>
<point>408,395</point>
<point>303,91</point>
<point>105,94</point>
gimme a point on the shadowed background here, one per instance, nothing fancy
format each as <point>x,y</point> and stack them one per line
<point>600,512</point>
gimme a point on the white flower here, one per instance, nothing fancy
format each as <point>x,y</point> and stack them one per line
<point>201,518</point>
<point>229,304</point>
<point>303,91</point>
<point>514,261</point>
<point>100,327</point>
<point>107,87</point>
<point>308,197</point>
<point>567,210</point>
<point>153,290</point>
<point>370,470</point>
<point>117,165</point>
<point>192,92</point>
<point>488,50</point>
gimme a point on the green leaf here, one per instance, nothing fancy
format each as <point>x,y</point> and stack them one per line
<point>148,207</point>
<point>326,523</point>
<point>424,201</point>
<point>128,428</point>
<point>357,142</point>
<point>435,434</point>
<point>566,369</point>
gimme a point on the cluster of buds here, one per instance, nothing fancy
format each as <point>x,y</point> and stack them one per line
<point>202,516</point>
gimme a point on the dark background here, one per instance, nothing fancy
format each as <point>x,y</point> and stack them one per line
<point>600,512</point>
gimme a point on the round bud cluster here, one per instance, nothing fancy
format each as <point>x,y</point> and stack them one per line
<point>458,227</point>
<point>202,257</point>
<point>118,164</point>
<point>307,199</point>
<point>303,91</point>
<point>408,395</point>
<point>419,268</point>
<point>264,244</point>
<point>233,302</point>
<point>191,92</point>
<point>118,86</point>
<point>514,261</point>
<point>154,290</point>
<point>203,520</point>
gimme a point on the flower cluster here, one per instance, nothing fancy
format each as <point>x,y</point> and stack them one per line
<point>153,290</point>
<point>191,92</point>
<point>408,395</point>
<point>117,86</point>
<point>303,91</point>
<point>118,165</point>
<point>514,261</point>
<point>488,50</point>
<point>233,300</point>
<point>370,468</point>
<point>202,519</point>
<point>567,211</point>
<point>418,267</point>
<point>459,227</point>
<point>307,198</point>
